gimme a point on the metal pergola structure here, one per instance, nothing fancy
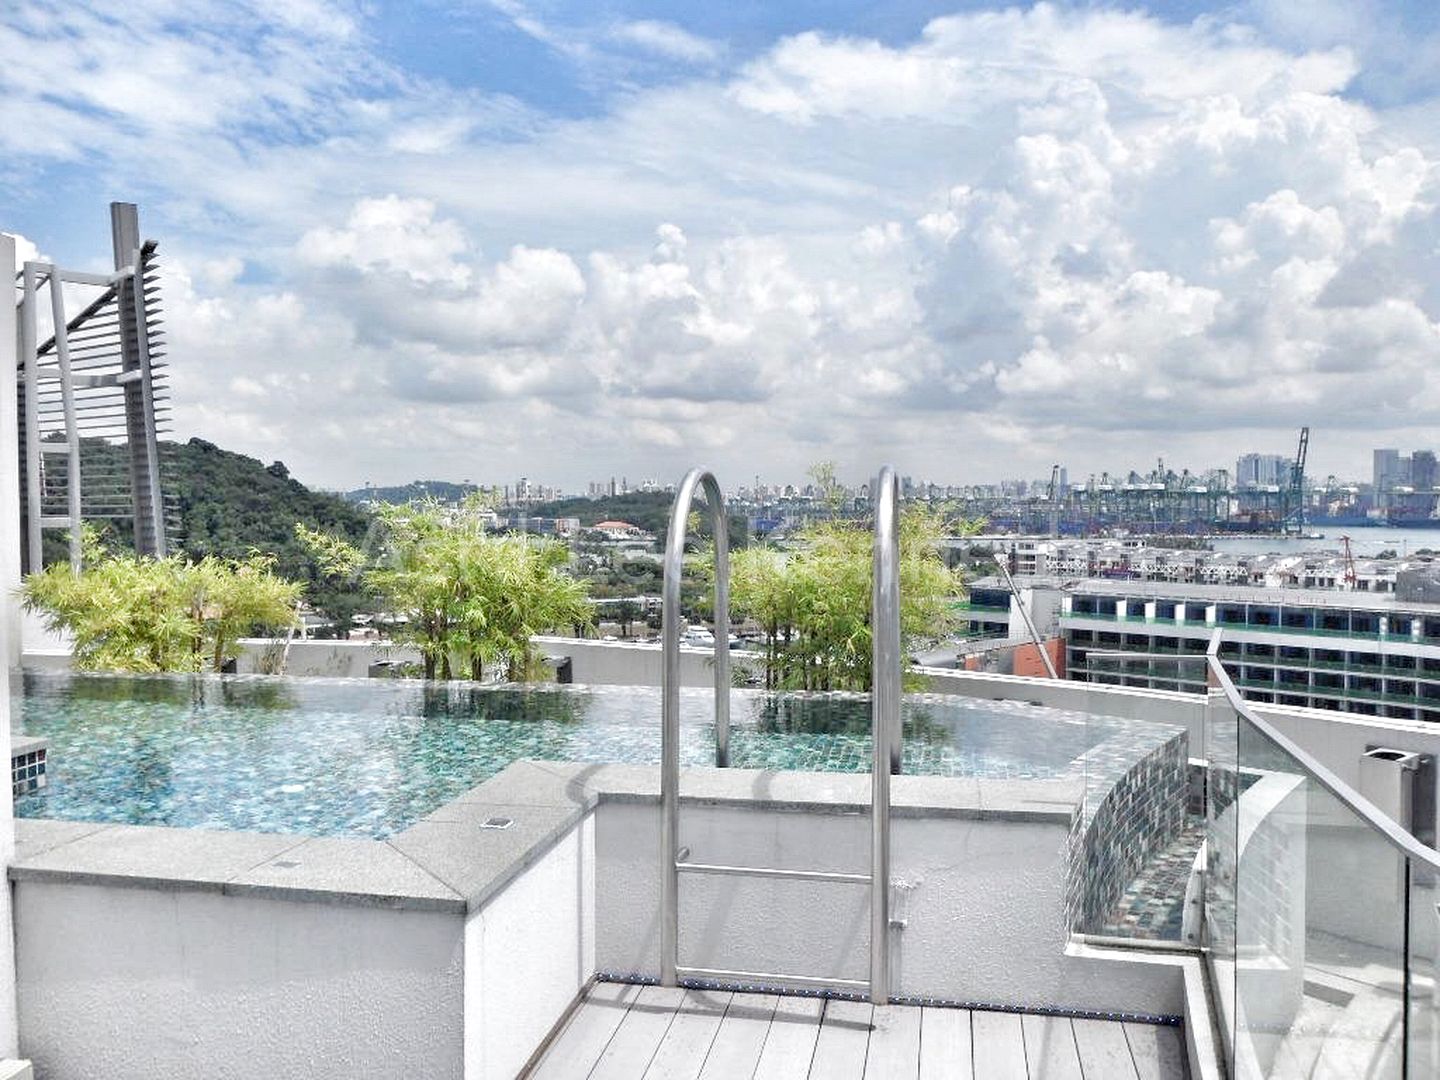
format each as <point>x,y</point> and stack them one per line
<point>91,398</point>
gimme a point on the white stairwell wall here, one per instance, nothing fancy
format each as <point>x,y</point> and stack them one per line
<point>9,628</point>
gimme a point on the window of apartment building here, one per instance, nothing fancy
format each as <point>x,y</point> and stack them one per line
<point>1264,616</point>
<point>1364,622</point>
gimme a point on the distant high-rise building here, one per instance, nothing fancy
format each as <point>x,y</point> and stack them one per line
<point>1390,471</point>
<point>1423,471</point>
<point>1262,470</point>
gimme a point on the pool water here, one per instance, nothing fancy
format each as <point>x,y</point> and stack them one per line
<point>356,757</point>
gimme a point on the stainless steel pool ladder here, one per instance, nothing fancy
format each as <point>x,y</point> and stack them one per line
<point>885,730</point>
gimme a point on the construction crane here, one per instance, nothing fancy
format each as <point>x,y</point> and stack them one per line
<point>1350,576</point>
<point>1295,500</point>
<point>1051,497</point>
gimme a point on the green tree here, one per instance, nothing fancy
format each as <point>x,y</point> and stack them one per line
<point>626,612</point>
<point>127,613</point>
<point>465,598</point>
<point>813,603</point>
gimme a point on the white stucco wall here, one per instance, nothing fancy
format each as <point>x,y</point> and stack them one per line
<point>528,953</point>
<point>141,983</point>
<point>984,912</point>
<point>9,626</point>
<point>338,659</point>
<point>627,663</point>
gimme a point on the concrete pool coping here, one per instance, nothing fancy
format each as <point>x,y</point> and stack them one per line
<point>449,862</point>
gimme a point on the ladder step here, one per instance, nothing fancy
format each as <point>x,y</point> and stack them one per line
<point>54,521</point>
<point>54,448</point>
<point>770,978</point>
<point>770,872</point>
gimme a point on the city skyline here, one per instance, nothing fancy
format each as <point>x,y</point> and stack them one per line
<point>427,240</point>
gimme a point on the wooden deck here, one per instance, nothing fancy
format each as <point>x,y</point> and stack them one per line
<point>634,1032</point>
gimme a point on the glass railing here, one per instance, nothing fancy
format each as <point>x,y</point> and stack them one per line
<point>1320,918</point>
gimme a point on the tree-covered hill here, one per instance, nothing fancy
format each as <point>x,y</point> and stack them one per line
<point>443,490</point>
<point>229,503</point>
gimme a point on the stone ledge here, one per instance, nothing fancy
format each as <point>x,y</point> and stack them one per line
<point>451,862</point>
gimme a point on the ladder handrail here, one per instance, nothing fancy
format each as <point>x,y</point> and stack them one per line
<point>885,659</point>
<point>885,731</point>
<point>670,691</point>
<point>886,735</point>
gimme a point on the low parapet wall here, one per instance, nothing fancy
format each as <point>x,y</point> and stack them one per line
<point>450,950</point>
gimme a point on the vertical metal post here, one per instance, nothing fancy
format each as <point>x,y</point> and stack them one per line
<point>886,734</point>
<point>67,406</point>
<point>1406,985</point>
<point>147,500</point>
<point>11,503</point>
<point>670,693</point>
<point>29,343</point>
<point>153,508</point>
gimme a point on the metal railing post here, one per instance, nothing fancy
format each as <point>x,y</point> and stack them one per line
<point>886,734</point>
<point>67,404</point>
<point>670,694</point>
<point>29,361</point>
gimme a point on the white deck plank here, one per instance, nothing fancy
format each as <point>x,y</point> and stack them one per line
<point>736,1048</point>
<point>682,1052</point>
<point>635,1041</point>
<point>945,1044</point>
<point>1103,1049</point>
<point>576,1049</point>
<point>790,1042</point>
<point>844,1038</point>
<point>999,1046</point>
<point>894,1052</point>
<point>1050,1048</point>
<point>1159,1051</point>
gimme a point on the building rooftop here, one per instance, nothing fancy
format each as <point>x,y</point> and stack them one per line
<point>1252,594</point>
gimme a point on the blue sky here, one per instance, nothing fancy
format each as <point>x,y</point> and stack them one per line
<point>475,238</point>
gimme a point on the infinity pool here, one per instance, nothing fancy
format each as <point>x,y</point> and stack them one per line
<point>356,757</point>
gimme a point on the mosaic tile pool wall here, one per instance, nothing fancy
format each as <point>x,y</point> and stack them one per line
<point>1136,797</point>
<point>359,757</point>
